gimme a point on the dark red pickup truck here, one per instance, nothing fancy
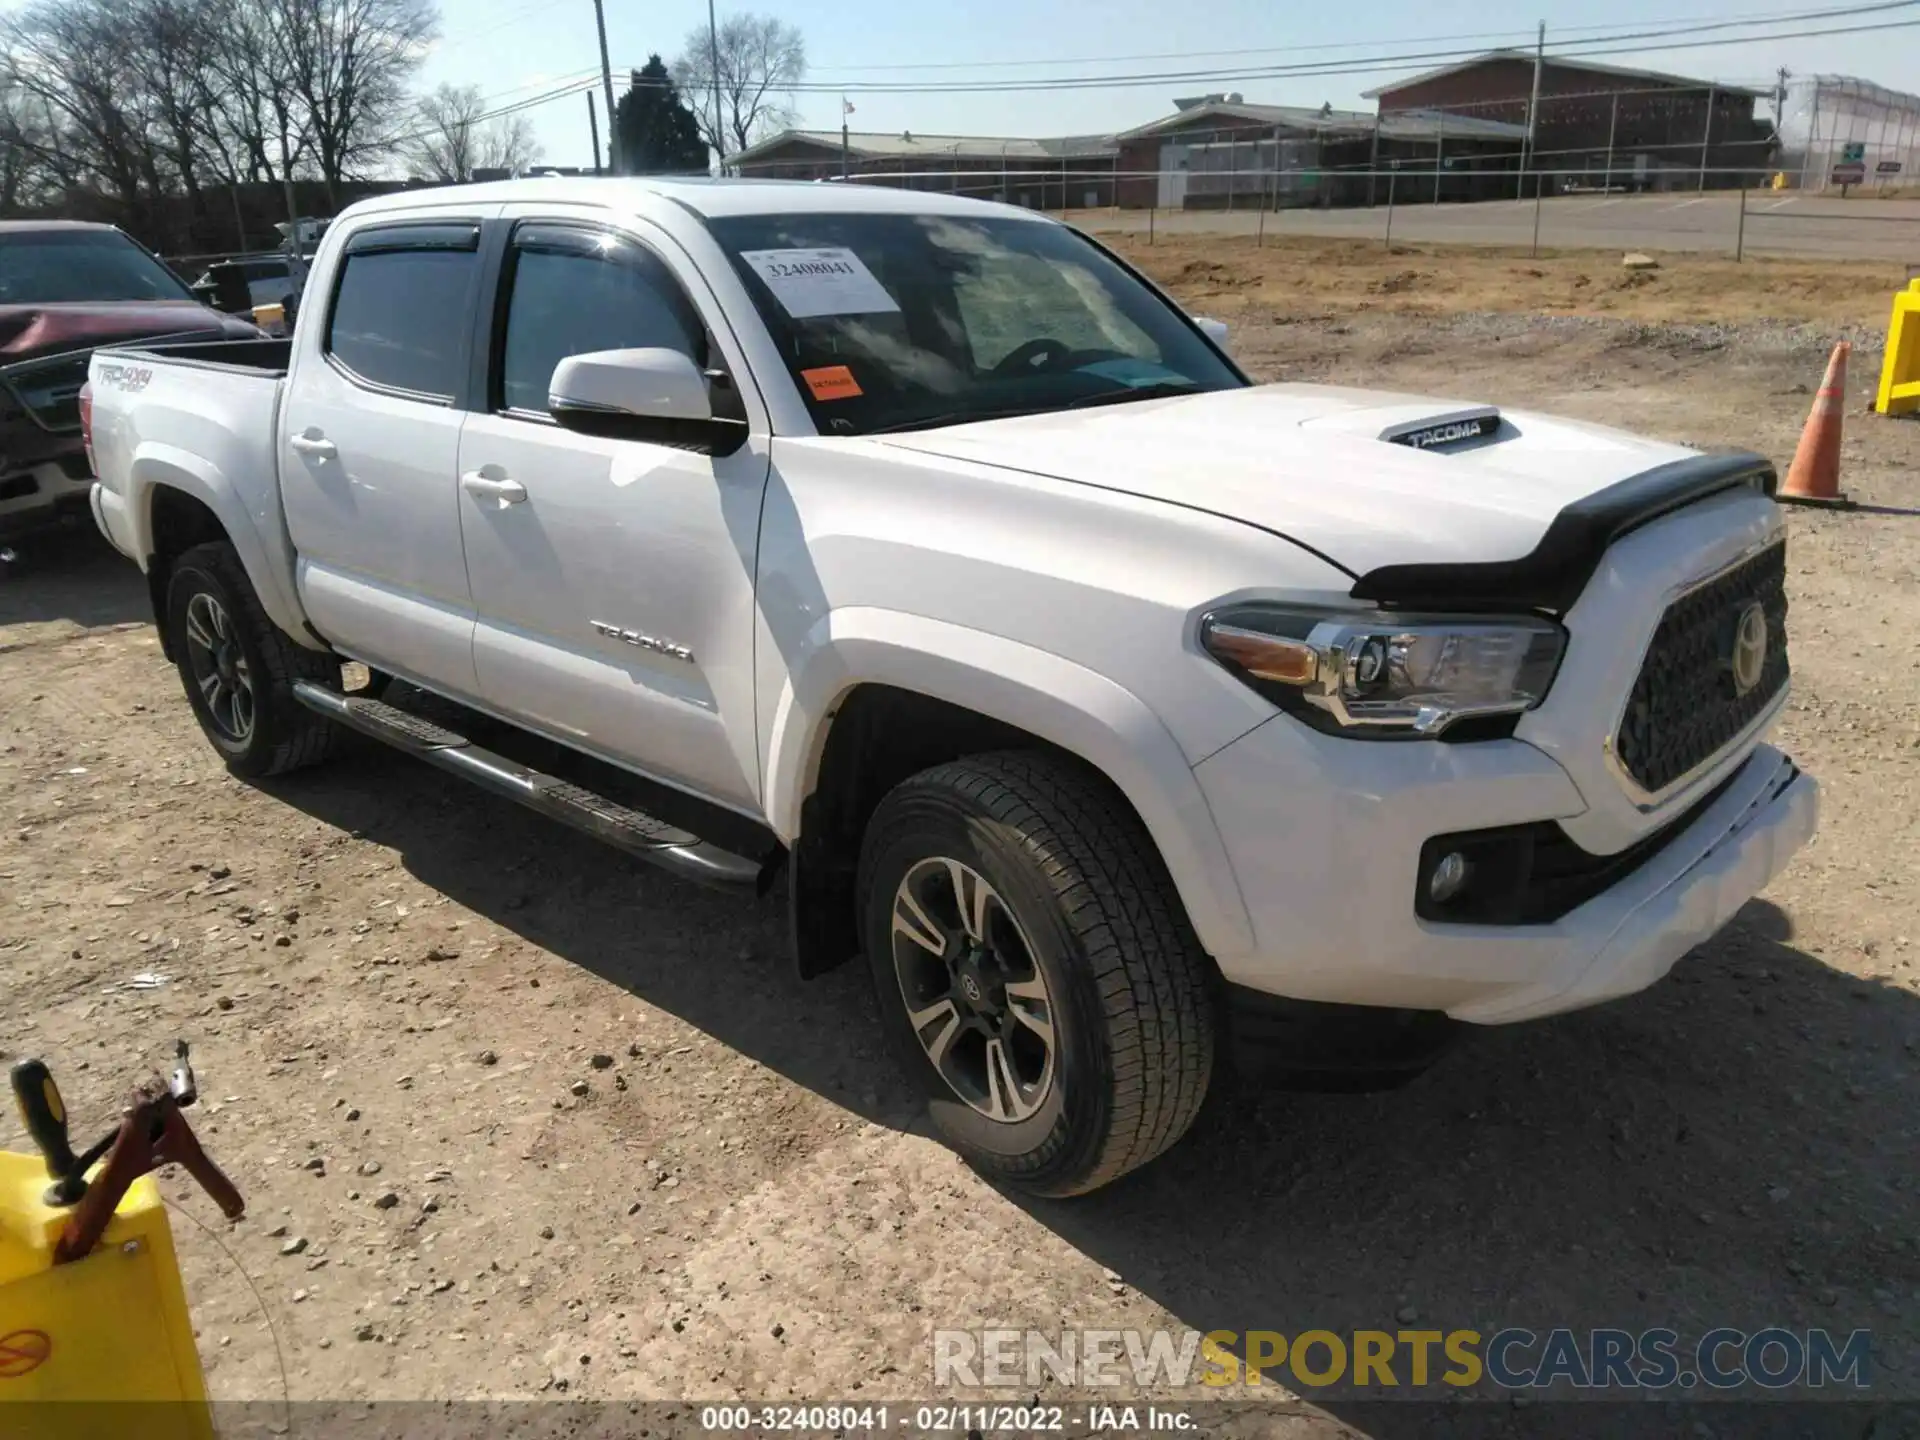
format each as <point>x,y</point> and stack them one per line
<point>65,289</point>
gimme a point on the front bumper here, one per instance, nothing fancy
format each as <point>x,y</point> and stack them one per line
<point>1325,835</point>
<point>48,492</point>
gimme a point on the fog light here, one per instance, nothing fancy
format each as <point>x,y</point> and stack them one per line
<point>1448,876</point>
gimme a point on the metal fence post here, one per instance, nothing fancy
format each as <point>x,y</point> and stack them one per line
<point>1740,235</point>
<point>1392,176</point>
<point>1706,140</point>
<point>1613,121</point>
<point>1538,188</point>
<point>1150,212</point>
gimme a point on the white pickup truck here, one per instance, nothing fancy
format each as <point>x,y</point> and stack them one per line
<point>1126,715</point>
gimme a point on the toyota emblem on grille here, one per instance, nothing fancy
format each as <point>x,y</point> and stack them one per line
<point>1749,648</point>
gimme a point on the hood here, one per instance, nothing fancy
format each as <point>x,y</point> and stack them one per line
<point>1367,478</point>
<point>30,331</point>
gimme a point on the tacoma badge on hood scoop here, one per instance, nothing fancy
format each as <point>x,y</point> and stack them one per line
<point>1446,432</point>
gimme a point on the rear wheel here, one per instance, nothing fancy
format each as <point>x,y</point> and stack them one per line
<point>1035,970</point>
<point>238,669</point>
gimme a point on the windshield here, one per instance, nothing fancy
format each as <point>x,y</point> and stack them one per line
<point>901,322</point>
<point>52,267</point>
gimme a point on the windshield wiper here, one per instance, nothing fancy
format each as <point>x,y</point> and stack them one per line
<point>1165,390</point>
<point>956,417</point>
<point>1161,391</point>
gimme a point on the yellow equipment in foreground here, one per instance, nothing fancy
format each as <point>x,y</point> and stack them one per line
<point>96,1341</point>
<point>1900,370</point>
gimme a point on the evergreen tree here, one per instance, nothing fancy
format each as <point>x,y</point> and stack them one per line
<point>658,133</point>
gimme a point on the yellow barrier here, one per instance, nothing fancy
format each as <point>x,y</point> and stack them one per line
<point>1900,371</point>
<point>109,1329</point>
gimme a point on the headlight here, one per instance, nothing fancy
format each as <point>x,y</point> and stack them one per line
<point>1377,674</point>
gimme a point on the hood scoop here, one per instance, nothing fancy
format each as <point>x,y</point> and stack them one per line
<point>1421,429</point>
<point>1457,431</point>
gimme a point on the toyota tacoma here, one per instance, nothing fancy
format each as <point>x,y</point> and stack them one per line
<point>1127,716</point>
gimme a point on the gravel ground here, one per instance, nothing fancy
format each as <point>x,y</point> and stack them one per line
<point>517,1118</point>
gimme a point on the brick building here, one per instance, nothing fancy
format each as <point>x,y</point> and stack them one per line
<point>1601,125</point>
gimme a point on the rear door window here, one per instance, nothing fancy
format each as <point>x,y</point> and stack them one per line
<point>403,313</point>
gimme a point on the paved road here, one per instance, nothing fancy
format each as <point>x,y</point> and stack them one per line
<point>1861,228</point>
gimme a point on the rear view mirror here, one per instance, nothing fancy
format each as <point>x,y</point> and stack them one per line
<point>653,395</point>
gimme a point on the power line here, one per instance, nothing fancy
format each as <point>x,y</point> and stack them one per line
<point>1686,23</point>
<point>588,81</point>
<point>1670,39</point>
<point>526,12</point>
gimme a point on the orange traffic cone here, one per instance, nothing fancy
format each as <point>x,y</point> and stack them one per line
<point>1814,477</point>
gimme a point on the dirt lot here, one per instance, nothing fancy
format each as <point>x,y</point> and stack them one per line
<point>518,1118</point>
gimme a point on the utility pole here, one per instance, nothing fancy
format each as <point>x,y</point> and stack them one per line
<point>1529,153</point>
<point>606,85</point>
<point>713,59</point>
<point>845,146</point>
<point>593,128</point>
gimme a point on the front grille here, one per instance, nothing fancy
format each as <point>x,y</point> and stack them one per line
<point>1685,707</point>
<point>50,389</point>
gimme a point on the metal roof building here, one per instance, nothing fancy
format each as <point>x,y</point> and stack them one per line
<point>1069,171</point>
<point>1220,152</point>
<point>1599,125</point>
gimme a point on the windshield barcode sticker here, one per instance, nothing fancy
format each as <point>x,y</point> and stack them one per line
<point>811,283</point>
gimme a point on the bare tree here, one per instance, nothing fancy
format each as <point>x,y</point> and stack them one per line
<point>67,58</point>
<point>130,106</point>
<point>168,47</point>
<point>509,143</point>
<point>253,118</point>
<point>452,137</point>
<point>24,174</point>
<point>349,62</point>
<point>761,60</point>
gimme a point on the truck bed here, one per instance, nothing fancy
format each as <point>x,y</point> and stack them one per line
<point>202,420</point>
<point>267,356</point>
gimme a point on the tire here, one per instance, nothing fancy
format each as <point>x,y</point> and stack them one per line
<point>210,598</point>
<point>1077,929</point>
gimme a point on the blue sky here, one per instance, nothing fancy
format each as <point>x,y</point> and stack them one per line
<point>515,48</point>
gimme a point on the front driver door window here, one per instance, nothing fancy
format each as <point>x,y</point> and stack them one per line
<point>598,293</point>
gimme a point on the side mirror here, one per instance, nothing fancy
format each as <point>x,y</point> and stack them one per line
<point>1214,330</point>
<point>654,395</point>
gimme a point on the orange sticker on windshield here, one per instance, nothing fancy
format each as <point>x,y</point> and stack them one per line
<point>831,382</point>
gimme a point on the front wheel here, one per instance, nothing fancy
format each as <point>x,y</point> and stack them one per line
<point>238,669</point>
<point>1036,970</point>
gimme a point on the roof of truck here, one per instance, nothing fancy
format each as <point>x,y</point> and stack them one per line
<point>709,197</point>
<point>27,227</point>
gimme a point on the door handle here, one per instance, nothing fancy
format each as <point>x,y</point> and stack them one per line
<point>317,446</point>
<point>488,487</point>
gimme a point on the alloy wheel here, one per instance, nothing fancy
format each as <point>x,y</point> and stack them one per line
<point>975,996</point>
<point>219,668</point>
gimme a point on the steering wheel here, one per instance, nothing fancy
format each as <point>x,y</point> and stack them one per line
<point>1043,352</point>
